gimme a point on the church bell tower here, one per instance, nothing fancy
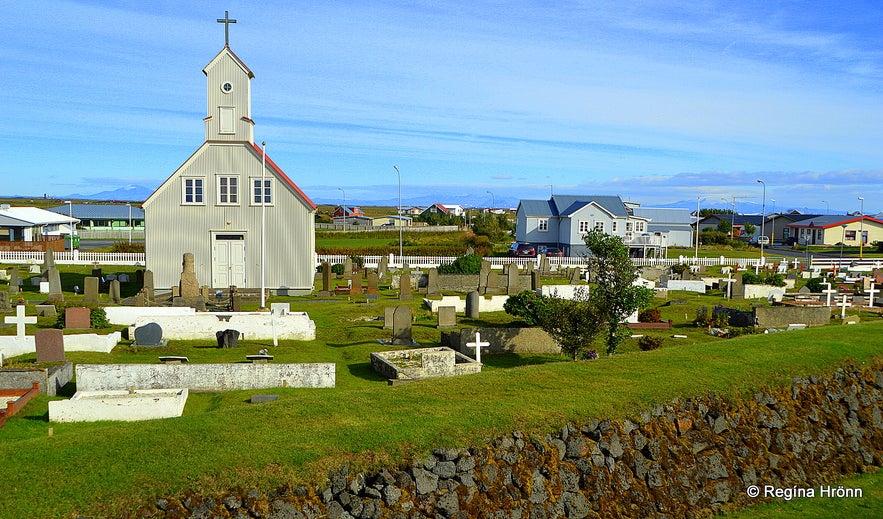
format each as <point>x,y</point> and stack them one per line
<point>228,93</point>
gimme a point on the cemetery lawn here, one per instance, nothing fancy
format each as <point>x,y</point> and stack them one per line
<point>223,442</point>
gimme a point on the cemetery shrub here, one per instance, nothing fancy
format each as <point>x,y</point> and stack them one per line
<point>650,342</point>
<point>717,317</point>
<point>814,284</point>
<point>125,246</point>
<point>528,305</point>
<point>649,315</point>
<point>337,268</point>
<point>776,280</point>
<point>468,264</point>
<point>97,315</point>
<point>680,268</point>
<point>358,261</point>
<point>589,355</point>
<point>573,324</point>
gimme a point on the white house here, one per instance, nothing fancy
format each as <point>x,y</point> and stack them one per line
<point>562,221</point>
<point>241,216</point>
<point>675,225</point>
<point>29,224</point>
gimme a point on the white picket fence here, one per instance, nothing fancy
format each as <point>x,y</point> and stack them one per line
<point>76,258</point>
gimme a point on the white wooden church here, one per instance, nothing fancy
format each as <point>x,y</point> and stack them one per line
<point>227,202</point>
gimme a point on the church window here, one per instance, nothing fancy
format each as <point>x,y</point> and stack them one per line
<point>192,191</point>
<point>228,190</point>
<point>258,191</point>
<point>226,115</point>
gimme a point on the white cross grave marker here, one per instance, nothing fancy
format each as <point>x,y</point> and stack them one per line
<point>729,281</point>
<point>843,306</point>
<point>828,293</point>
<point>871,291</point>
<point>20,320</point>
<point>478,345</point>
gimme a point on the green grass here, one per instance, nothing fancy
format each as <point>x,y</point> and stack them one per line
<point>869,505</point>
<point>223,442</point>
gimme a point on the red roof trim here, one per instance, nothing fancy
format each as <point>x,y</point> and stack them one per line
<point>283,176</point>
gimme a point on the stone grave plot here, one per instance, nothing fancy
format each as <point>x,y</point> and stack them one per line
<point>250,325</point>
<point>50,379</point>
<point>422,363</point>
<point>13,400</point>
<point>119,405</point>
<point>485,303</point>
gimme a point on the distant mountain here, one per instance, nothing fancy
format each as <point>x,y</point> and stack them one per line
<point>129,193</point>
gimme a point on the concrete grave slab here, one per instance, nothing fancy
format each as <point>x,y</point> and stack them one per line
<point>119,405</point>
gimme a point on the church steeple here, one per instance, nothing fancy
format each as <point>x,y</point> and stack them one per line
<point>228,92</point>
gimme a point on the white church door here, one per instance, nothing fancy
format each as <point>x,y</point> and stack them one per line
<point>228,260</point>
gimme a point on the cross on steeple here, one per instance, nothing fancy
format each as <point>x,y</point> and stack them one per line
<point>226,21</point>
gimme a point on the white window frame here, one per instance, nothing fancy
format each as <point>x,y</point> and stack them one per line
<point>629,227</point>
<point>613,226</point>
<point>255,183</point>
<point>226,120</point>
<point>228,189</point>
<point>191,184</point>
<point>598,225</point>
<point>583,226</point>
<point>543,224</point>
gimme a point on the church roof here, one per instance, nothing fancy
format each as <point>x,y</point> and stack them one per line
<point>228,51</point>
<point>284,177</point>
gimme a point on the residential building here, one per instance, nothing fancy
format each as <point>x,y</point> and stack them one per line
<point>33,229</point>
<point>676,225</point>
<point>104,217</point>
<point>851,230</point>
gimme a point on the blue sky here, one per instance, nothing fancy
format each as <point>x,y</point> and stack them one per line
<point>654,101</point>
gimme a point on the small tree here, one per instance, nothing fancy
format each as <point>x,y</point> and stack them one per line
<point>573,324</point>
<point>614,296</point>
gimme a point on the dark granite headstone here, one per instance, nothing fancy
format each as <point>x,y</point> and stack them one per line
<point>149,335</point>
<point>227,338</point>
<point>49,345</point>
<point>472,302</point>
<point>96,273</point>
<point>77,317</point>
<point>14,281</point>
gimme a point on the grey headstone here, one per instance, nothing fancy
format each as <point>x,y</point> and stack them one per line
<point>513,282</point>
<point>48,260</point>
<point>401,326</point>
<point>738,288</point>
<point>472,302</point>
<point>447,316</point>
<point>114,291</point>
<point>387,317</point>
<point>4,302</point>
<point>804,290</point>
<point>189,285</point>
<point>260,399</point>
<point>90,290</point>
<point>372,283</point>
<point>347,267</point>
<point>405,287</point>
<point>226,338</point>
<point>529,268</point>
<point>432,285</point>
<point>123,278</point>
<point>149,295</point>
<point>14,281</point>
<point>535,281</point>
<point>383,266</point>
<point>545,266</point>
<point>280,308</point>
<point>55,295</point>
<point>149,335</point>
<point>46,310</point>
<point>576,275</point>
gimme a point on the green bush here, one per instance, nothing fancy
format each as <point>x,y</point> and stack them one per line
<point>97,315</point>
<point>468,264</point>
<point>776,280</point>
<point>649,342</point>
<point>649,315</point>
<point>337,268</point>
<point>528,305</point>
<point>125,246</point>
<point>814,284</point>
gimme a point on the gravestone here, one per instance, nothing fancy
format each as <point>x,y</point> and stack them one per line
<point>483,276</point>
<point>280,308</point>
<point>34,269</point>
<point>227,338</point>
<point>189,285</point>
<point>447,316</point>
<point>355,283</point>
<point>123,278</point>
<point>326,280</point>
<point>432,285</point>
<point>513,282</point>
<point>149,335</point>
<point>20,320</point>
<point>46,310</point>
<point>535,281</point>
<point>114,291</point>
<point>48,260</point>
<point>493,283</point>
<point>55,295</point>
<point>545,266</point>
<point>859,300</point>
<point>738,290</point>
<point>90,290</point>
<point>506,269</point>
<point>14,281</point>
<point>387,317</point>
<point>529,269</point>
<point>96,273</point>
<point>372,283</point>
<point>383,266</point>
<point>347,267</point>
<point>472,302</point>
<point>141,298</point>
<point>110,277</point>
<point>478,345</point>
<point>49,345</point>
<point>149,295</point>
<point>77,317</point>
<point>575,275</point>
<point>4,302</point>
<point>139,276</point>
<point>405,287</point>
<point>804,290</point>
<point>470,251</point>
<point>401,326</point>
<point>44,287</point>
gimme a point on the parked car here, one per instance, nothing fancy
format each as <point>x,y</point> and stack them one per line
<point>526,250</point>
<point>513,248</point>
<point>553,251</point>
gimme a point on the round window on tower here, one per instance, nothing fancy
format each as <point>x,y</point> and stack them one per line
<point>226,87</point>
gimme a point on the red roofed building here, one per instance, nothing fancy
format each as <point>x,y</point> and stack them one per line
<point>221,201</point>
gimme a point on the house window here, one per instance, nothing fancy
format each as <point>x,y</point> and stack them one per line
<point>820,235</point>
<point>599,225</point>
<point>613,226</point>
<point>228,190</point>
<point>543,224</point>
<point>850,235</point>
<point>266,191</point>
<point>639,226</point>
<point>192,192</point>
<point>629,227</point>
<point>584,226</point>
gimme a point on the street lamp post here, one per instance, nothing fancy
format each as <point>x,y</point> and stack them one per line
<point>493,202</point>
<point>343,207</point>
<point>130,222</point>
<point>762,221</point>
<point>842,239</point>
<point>698,200</point>
<point>70,223</point>
<point>827,207</point>
<point>861,232</point>
<point>400,210</point>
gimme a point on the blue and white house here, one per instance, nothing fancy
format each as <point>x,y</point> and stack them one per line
<point>563,220</point>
